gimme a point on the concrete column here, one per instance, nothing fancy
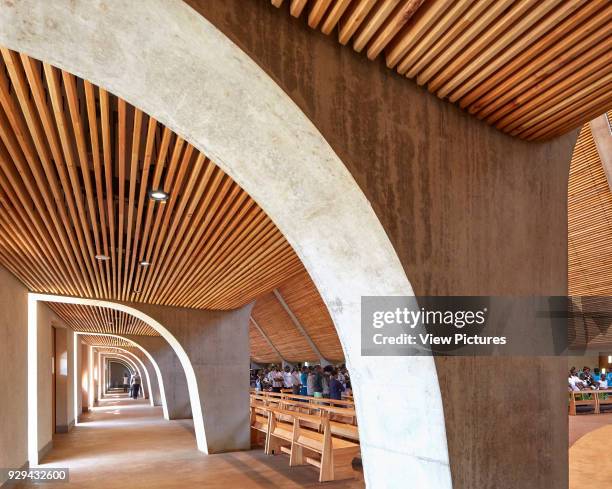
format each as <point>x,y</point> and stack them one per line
<point>217,344</point>
<point>84,377</point>
<point>324,363</point>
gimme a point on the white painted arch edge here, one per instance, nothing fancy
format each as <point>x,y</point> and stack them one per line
<point>193,79</point>
<point>192,384</point>
<point>135,361</point>
<point>121,360</point>
<point>158,375</point>
<point>136,367</point>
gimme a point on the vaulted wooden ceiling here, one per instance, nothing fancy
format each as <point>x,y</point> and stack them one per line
<point>589,220</point>
<point>107,341</point>
<point>90,319</point>
<point>534,69</point>
<point>76,166</point>
<point>272,323</point>
<point>273,334</point>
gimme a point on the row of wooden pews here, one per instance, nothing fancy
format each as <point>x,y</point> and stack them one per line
<point>311,431</point>
<point>592,398</point>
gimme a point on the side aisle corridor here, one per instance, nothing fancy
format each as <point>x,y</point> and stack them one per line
<point>125,443</point>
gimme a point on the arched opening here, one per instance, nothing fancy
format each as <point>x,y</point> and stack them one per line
<point>589,364</point>
<point>33,406</point>
<point>314,201</point>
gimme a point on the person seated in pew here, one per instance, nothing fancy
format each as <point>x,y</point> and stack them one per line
<point>603,383</point>
<point>335,387</point>
<point>587,378</point>
<point>575,383</point>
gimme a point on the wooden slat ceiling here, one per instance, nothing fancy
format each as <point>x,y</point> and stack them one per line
<point>589,221</point>
<point>304,301</point>
<point>590,244</point>
<point>76,165</point>
<point>121,350</point>
<point>104,341</point>
<point>90,319</point>
<point>299,293</point>
<point>534,69</point>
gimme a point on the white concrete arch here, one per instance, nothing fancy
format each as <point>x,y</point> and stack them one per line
<point>193,79</point>
<point>135,358</point>
<point>122,361</point>
<point>119,357</point>
<point>192,384</point>
<point>138,361</point>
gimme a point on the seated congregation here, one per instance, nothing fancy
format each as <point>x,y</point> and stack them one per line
<point>589,393</point>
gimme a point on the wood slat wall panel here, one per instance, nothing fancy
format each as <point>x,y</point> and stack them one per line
<point>534,69</point>
<point>76,165</point>
<point>589,221</point>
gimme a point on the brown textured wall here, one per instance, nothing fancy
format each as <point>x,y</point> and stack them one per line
<point>469,210</point>
<point>13,372</point>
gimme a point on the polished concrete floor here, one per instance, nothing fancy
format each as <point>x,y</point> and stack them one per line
<point>127,444</point>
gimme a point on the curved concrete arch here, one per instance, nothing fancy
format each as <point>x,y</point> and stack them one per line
<point>126,363</point>
<point>192,384</point>
<point>137,360</point>
<point>197,82</point>
<point>135,367</point>
<point>148,355</point>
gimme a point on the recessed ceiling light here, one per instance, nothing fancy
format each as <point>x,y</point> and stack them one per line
<point>102,257</point>
<point>158,195</point>
<point>136,291</point>
<point>144,263</point>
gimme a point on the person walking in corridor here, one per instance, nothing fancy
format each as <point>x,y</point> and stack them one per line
<point>126,381</point>
<point>135,386</point>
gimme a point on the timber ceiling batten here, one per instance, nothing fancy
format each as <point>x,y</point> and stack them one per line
<point>292,323</point>
<point>589,221</point>
<point>105,341</point>
<point>76,167</point>
<point>91,319</point>
<point>532,68</point>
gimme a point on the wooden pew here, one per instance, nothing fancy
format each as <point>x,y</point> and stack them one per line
<point>601,401</point>
<point>576,399</point>
<point>259,426</point>
<point>333,456</point>
<point>315,422</point>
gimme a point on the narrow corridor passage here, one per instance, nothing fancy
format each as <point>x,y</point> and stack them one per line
<point>123,443</point>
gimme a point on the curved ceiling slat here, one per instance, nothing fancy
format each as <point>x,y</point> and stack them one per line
<point>76,166</point>
<point>534,69</point>
<point>589,221</point>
